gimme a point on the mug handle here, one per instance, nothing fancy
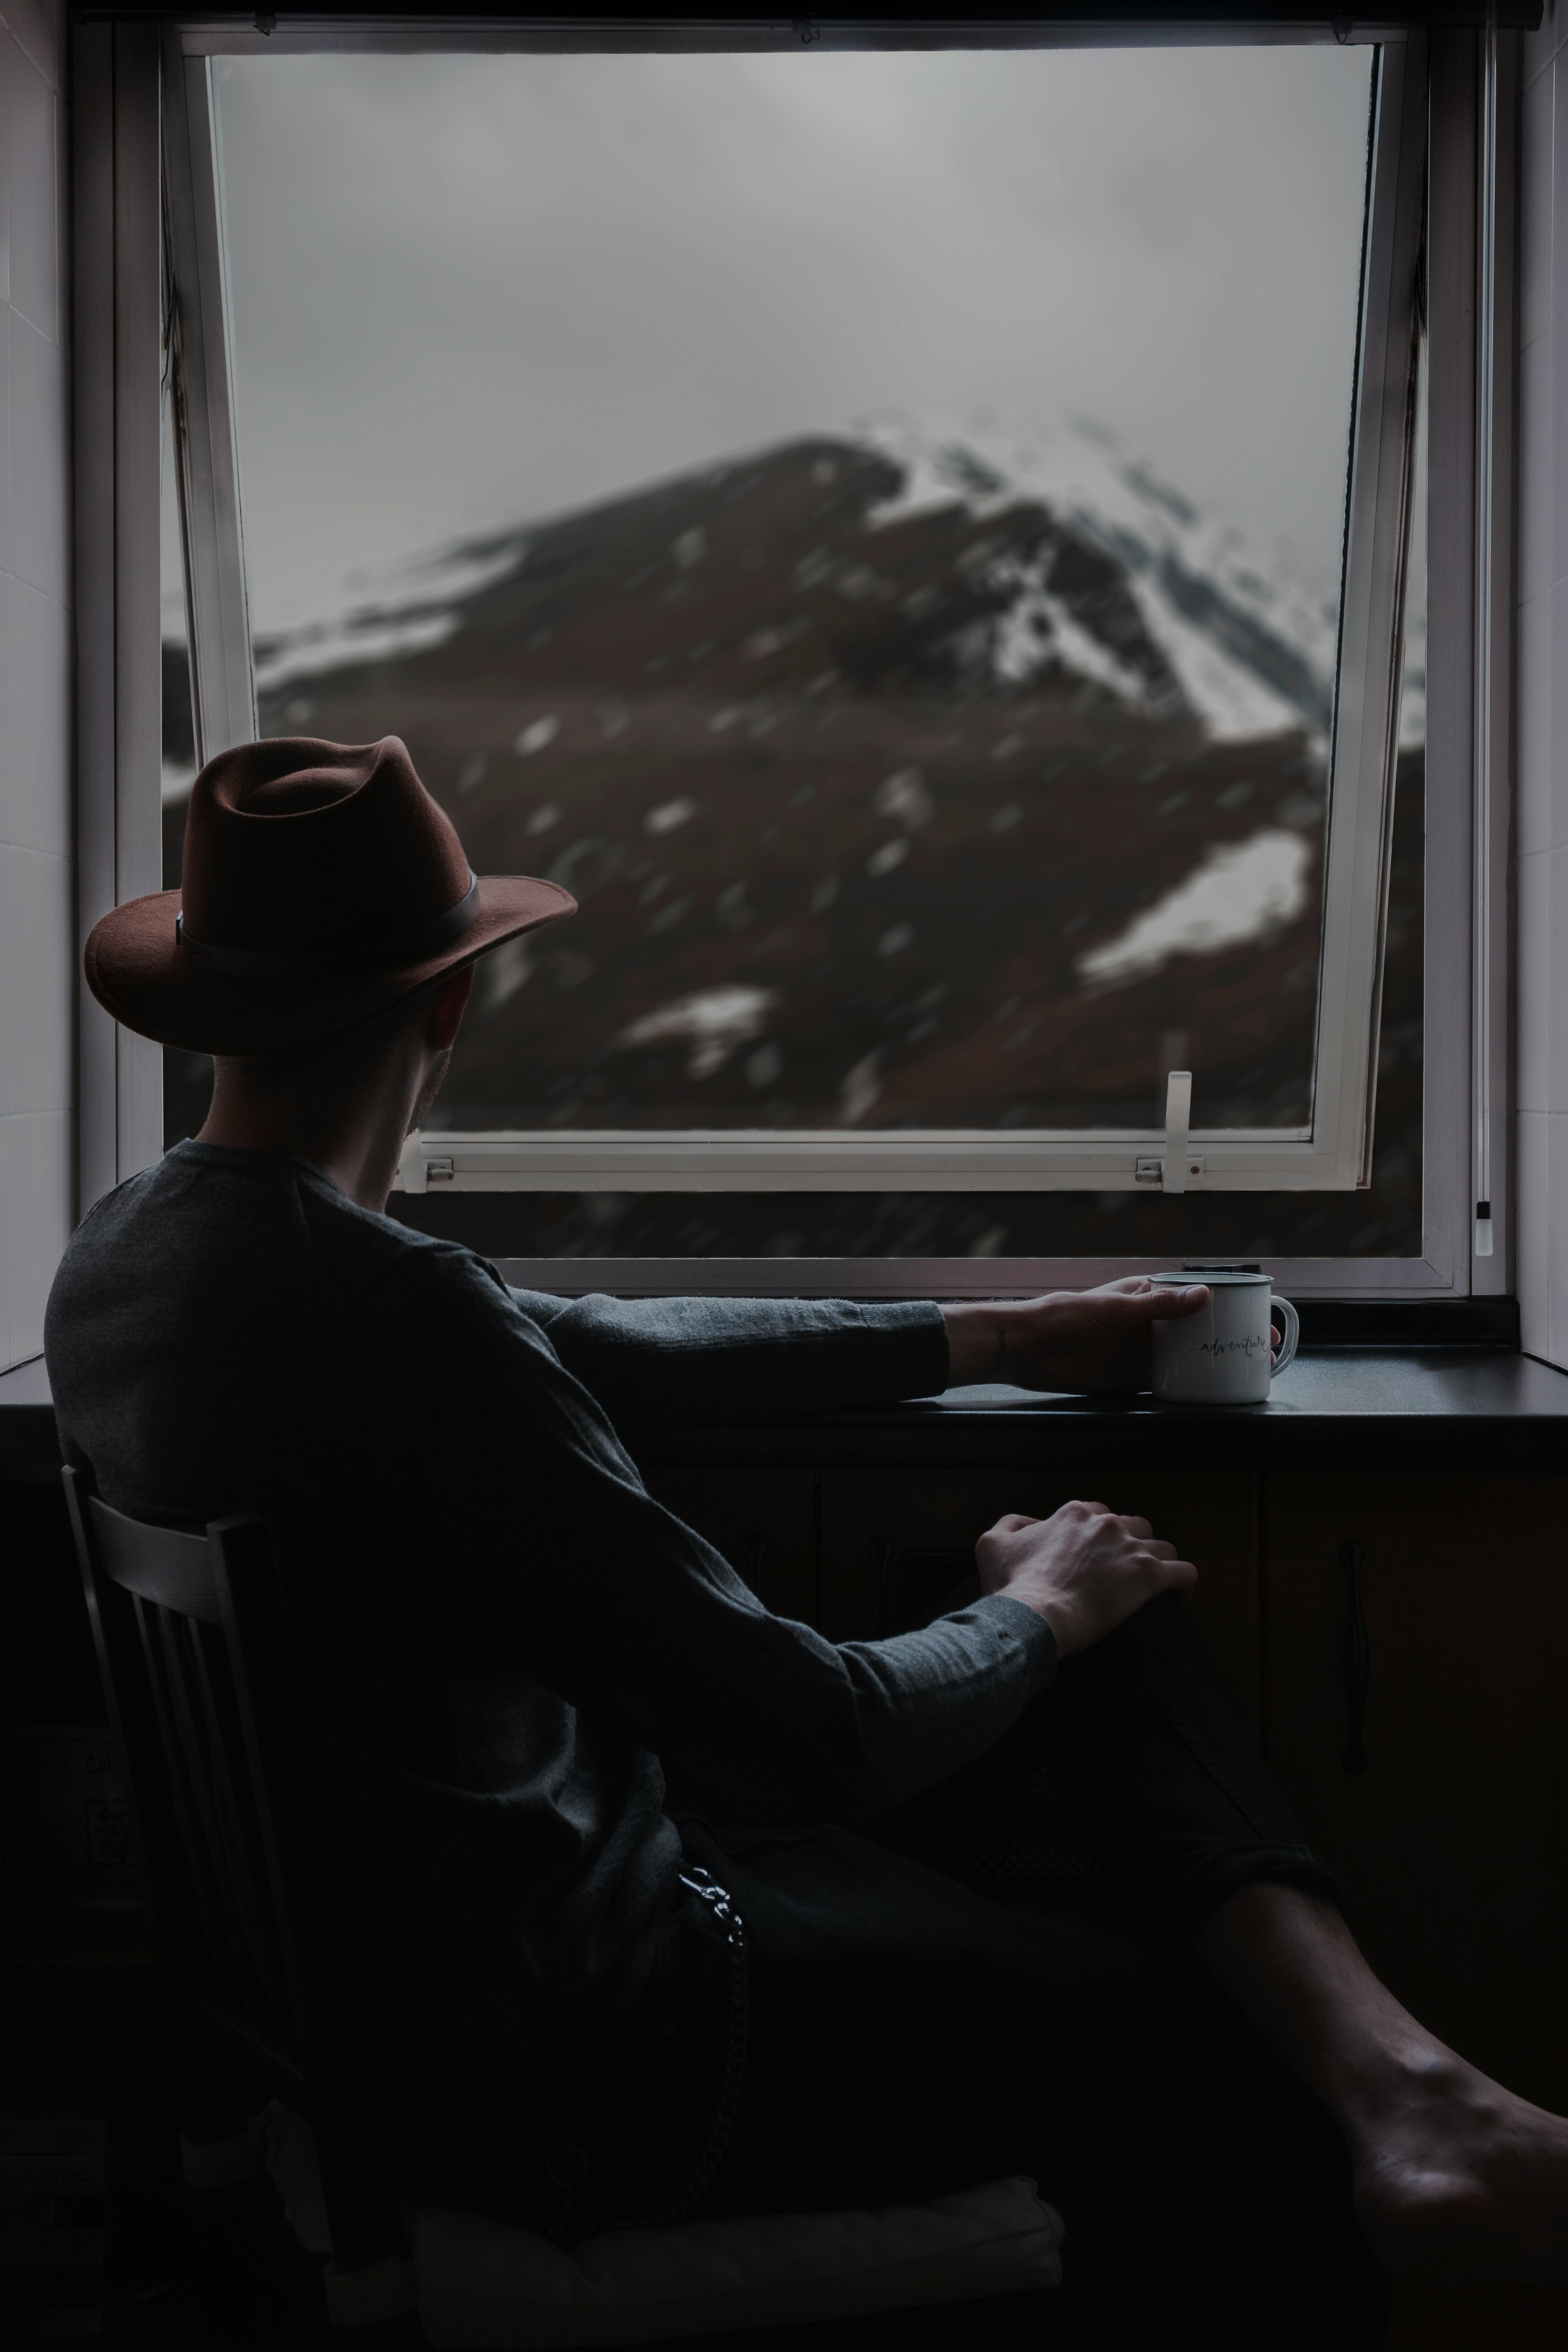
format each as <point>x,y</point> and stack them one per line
<point>1292,1338</point>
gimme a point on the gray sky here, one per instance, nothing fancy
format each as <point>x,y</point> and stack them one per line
<point>473,289</point>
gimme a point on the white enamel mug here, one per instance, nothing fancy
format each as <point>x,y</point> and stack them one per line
<point>1224,1354</point>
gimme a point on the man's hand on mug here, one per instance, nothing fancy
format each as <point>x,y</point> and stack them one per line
<point>1093,1341</point>
<point>1084,1569</point>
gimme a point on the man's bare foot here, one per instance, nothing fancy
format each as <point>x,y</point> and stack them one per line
<point>1457,2182</point>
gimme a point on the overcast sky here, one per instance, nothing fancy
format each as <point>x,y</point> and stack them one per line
<point>470,290</point>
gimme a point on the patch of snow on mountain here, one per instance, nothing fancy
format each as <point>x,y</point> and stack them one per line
<point>1234,701</point>
<point>714,1021</point>
<point>359,638</point>
<point>1252,647</point>
<point>938,471</point>
<point>1038,628</point>
<point>419,607</point>
<point>1241,892</point>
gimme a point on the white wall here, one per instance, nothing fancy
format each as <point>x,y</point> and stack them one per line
<point>37,917</point>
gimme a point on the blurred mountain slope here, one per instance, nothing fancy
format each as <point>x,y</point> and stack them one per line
<point>859,753</point>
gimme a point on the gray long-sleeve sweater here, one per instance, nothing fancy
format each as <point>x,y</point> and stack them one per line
<point>517,1651</point>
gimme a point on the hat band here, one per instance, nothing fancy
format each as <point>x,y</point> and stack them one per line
<point>333,963</point>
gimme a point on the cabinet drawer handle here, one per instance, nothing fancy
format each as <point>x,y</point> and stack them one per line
<point>1358,1655</point>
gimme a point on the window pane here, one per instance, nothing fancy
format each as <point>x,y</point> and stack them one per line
<point>1384,1221</point>
<point>868,524</point>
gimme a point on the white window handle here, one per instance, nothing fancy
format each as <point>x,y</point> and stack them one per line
<point>1178,1120</point>
<point>411,1167</point>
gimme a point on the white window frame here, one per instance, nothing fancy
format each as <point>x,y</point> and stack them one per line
<point>1466,113</point>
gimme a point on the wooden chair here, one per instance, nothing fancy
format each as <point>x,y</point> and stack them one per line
<point>205,1695</point>
<point>205,1699</point>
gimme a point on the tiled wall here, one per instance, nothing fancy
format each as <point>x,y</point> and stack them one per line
<point>37,926</point>
<point>1542,720</point>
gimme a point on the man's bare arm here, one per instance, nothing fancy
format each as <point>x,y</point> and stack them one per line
<point>1093,1341</point>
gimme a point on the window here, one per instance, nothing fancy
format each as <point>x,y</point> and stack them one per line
<point>920,543</point>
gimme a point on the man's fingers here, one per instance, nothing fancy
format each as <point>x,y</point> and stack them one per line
<point>1136,1526</point>
<point>1171,1575</point>
<point>1010,1522</point>
<point>1167,1305</point>
<point>1138,1300</point>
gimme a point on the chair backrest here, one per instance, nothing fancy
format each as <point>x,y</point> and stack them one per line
<point>200,1670</point>
<point>202,1686</point>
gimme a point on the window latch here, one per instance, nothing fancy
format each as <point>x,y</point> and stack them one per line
<point>1177,1163</point>
<point>411,1167</point>
<point>416,1173</point>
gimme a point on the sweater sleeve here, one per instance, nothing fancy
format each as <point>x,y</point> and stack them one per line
<point>742,1360</point>
<point>556,1560</point>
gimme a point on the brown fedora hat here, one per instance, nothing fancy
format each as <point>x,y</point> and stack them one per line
<point>321,884</point>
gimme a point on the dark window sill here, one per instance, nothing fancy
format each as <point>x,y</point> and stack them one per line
<point>1353,1408</point>
<point>1389,1385</point>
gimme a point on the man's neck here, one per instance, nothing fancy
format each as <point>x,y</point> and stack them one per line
<point>355,1144</point>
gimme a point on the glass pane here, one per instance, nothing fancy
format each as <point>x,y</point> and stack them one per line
<point>868,524</point>
<point>1384,1221</point>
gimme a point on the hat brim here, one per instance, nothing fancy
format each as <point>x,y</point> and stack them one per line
<point>138,971</point>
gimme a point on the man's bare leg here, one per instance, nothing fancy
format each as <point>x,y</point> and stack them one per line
<point>1456,2181</point>
<point>1456,2178</point>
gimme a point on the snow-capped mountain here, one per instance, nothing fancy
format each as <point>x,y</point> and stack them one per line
<point>904,778</point>
<point>1246,646</point>
<point>1250,646</point>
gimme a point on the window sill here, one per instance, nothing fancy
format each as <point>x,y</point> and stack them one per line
<point>1338,1408</point>
<point>1357,1408</point>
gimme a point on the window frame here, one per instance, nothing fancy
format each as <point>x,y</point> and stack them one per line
<point>1468,227</point>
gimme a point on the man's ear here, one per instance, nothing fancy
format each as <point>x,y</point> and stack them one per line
<point>448,1006</point>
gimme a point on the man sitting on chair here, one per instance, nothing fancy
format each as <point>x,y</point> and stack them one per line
<point>563,1747</point>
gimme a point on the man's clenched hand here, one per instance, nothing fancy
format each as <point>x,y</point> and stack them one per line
<point>1090,1341</point>
<point>1084,1569</point>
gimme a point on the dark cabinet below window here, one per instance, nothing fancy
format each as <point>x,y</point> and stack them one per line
<point>1447,1821</point>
